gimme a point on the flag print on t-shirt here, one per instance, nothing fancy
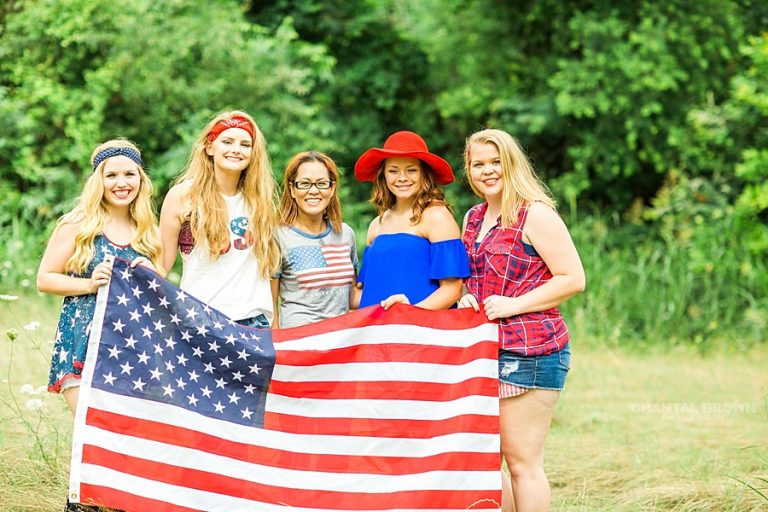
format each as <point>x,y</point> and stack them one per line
<point>322,267</point>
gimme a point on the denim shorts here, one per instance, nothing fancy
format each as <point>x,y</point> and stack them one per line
<point>535,372</point>
<point>257,322</point>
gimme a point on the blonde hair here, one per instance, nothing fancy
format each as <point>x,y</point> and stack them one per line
<point>207,211</point>
<point>289,210</point>
<point>521,184</point>
<point>429,194</point>
<point>92,214</point>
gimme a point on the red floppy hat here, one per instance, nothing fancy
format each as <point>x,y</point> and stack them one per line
<point>407,145</point>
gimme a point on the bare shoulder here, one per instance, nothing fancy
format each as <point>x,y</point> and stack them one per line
<point>173,204</point>
<point>542,214</point>
<point>68,228</point>
<point>439,223</point>
<point>178,192</point>
<point>374,228</point>
<point>61,245</point>
<point>437,213</point>
<point>543,222</point>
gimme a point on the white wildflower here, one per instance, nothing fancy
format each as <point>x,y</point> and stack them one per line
<point>34,404</point>
<point>41,389</point>
<point>28,389</point>
<point>32,326</point>
<point>8,298</point>
<point>25,283</point>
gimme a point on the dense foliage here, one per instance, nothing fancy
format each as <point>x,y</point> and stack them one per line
<point>649,120</point>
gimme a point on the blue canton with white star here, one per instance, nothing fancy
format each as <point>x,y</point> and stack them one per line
<point>158,343</point>
<point>306,257</point>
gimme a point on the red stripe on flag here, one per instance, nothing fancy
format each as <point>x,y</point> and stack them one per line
<point>127,501</point>
<point>254,454</point>
<point>398,314</point>
<point>391,353</point>
<point>405,429</point>
<point>392,391</point>
<point>259,493</point>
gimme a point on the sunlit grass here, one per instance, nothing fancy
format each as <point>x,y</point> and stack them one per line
<point>668,430</point>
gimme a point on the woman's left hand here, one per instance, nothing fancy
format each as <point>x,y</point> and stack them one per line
<point>144,262</point>
<point>498,306</point>
<point>398,298</point>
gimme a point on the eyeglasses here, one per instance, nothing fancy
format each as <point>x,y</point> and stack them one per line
<point>306,184</point>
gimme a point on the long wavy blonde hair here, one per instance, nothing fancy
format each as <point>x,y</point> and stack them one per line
<point>92,213</point>
<point>207,211</point>
<point>521,184</point>
<point>429,193</point>
<point>289,210</point>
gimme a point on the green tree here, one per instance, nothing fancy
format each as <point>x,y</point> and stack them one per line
<point>76,72</point>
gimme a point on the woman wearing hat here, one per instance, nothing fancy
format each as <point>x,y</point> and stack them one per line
<point>524,264</point>
<point>414,253</point>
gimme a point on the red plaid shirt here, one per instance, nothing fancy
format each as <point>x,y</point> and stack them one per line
<point>501,266</point>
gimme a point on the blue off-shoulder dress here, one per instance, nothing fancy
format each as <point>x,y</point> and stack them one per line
<point>409,264</point>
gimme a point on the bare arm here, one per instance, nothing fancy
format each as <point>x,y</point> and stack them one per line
<point>546,231</point>
<point>170,224</point>
<point>440,227</point>
<point>355,293</point>
<point>374,228</point>
<point>51,275</point>
<point>467,300</point>
<point>275,286</point>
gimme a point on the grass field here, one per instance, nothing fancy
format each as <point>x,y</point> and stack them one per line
<point>633,431</point>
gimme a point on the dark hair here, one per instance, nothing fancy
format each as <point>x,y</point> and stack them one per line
<point>289,210</point>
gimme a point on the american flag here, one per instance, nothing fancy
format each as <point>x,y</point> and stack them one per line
<point>181,409</point>
<point>320,267</point>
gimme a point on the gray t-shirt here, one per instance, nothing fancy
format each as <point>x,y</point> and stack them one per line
<point>316,274</point>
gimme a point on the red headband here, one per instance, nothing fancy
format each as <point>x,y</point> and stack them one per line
<point>226,124</point>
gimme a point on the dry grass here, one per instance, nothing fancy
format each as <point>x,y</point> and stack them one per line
<point>668,432</point>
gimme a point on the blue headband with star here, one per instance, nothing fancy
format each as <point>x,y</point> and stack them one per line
<point>110,152</point>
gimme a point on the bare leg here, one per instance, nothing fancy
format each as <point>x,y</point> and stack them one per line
<point>507,500</point>
<point>525,422</point>
<point>70,396</point>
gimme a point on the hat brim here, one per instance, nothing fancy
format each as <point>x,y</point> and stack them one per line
<point>368,164</point>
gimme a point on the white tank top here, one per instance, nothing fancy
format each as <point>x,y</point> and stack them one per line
<point>232,283</point>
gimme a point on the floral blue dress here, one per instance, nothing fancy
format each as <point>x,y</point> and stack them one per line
<point>76,318</point>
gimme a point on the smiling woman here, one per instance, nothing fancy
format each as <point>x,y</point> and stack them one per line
<point>414,253</point>
<point>114,216</point>
<point>318,269</point>
<point>221,217</point>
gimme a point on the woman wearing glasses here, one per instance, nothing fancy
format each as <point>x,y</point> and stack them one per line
<point>318,270</point>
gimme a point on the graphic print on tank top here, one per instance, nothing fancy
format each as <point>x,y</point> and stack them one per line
<point>238,226</point>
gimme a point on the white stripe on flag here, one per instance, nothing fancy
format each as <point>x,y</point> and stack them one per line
<point>280,477</point>
<point>306,443</point>
<point>201,500</point>
<point>382,409</point>
<point>397,372</point>
<point>393,333</point>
